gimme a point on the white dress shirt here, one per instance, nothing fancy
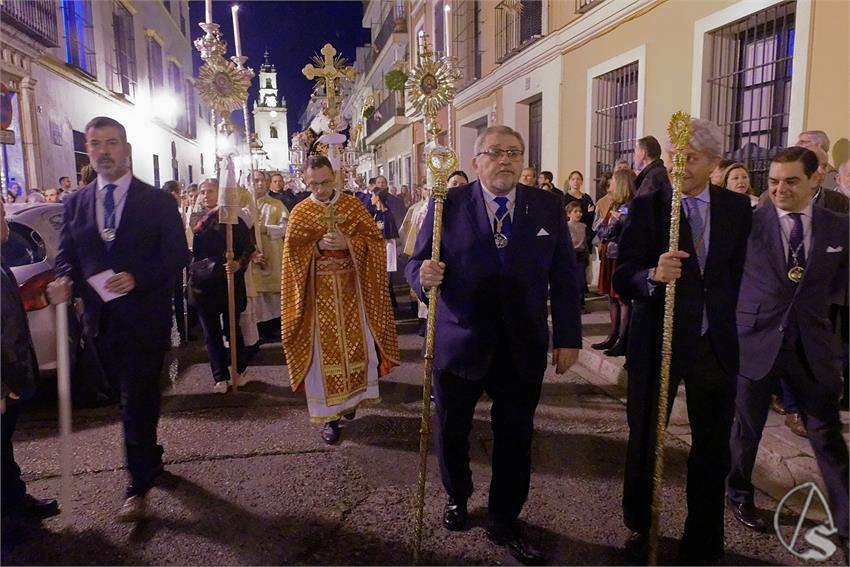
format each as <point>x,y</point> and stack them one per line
<point>119,196</point>
<point>491,205</point>
<point>787,225</point>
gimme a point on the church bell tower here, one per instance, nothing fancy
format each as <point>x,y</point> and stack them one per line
<point>270,123</point>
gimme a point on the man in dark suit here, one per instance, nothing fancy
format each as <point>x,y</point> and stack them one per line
<point>796,262</point>
<point>707,268</point>
<point>652,172</point>
<point>506,249</point>
<point>393,203</point>
<point>120,224</point>
<point>18,375</point>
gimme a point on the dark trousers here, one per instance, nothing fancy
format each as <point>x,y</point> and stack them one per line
<point>180,307</point>
<point>512,421</point>
<point>818,399</point>
<point>210,315</point>
<point>710,398</point>
<point>13,488</point>
<point>135,369</point>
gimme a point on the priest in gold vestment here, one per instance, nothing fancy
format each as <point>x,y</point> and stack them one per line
<point>272,216</point>
<point>337,324</point>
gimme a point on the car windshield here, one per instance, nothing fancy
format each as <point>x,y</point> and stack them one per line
<point>25,246</point>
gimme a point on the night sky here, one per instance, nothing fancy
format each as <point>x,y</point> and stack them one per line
<point>292,32</point>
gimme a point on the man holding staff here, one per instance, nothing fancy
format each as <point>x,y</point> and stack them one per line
<point>707,266</point>
<point>122,248</point>
<point>506,250</point>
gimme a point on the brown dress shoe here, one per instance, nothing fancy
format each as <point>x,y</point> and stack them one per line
<point>777,405</point>
<point>133,509</point>
<point>795,423</point>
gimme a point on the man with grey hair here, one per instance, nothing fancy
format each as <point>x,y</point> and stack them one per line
<point>842,179</point>
<point>506,252</point>
<point>707,267</point>
<point>816,140</point>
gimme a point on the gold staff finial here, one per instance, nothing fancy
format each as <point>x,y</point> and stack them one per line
<point>679,131</point>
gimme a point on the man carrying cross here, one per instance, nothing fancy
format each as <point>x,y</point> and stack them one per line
<point>337,324</point>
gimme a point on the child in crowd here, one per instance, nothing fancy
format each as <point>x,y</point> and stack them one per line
<point>578,233</point>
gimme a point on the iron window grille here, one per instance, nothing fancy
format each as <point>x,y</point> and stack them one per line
<point>37,18</point>
<point>192,124</point>
<point>177,87</point>
<point>749,86</point>
<point>518,24</point>
<point>79,37</point>
<point>466,43</point>
<point>614,126</point>
<point>155,65</point>
<point>583,6</point>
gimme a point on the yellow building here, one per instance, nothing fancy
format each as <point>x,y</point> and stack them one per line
<point>583,79</point>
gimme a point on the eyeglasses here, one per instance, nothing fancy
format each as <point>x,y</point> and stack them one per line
<point>322,185</point>
<point>498,153</point>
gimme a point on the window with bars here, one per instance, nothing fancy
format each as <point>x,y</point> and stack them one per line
<point>124,71</point>
<point>176,79</point>
<point>518,24</point>
<point>155,65</point>
<point>748,89</point>
<point>614,121</point>
<point>192,124</point>
<point>466,43</point>
<point>439,31</point>
<point>535,133</point>
<point>79,37</point>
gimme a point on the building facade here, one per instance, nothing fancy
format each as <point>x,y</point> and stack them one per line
<point>67,61</point>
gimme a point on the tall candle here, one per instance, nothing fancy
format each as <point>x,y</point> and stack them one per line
<point>236,40</point>
<point>208,5</point>
<point>420,44</point>
<point>446,38</point>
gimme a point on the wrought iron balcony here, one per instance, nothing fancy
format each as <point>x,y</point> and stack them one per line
<point>36,18</point>
<point>395,22</point>
<point>389,108</point>
<point>518,24</point>
<point>583,6</point>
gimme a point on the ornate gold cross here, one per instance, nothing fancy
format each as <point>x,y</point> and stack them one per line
<point>331,218</point>
<point>329,72</point>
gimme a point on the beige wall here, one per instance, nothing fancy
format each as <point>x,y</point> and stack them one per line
<point>828,92</point>
<point>561,13</point>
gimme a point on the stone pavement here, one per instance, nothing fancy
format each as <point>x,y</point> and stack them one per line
<point>784,460</point>
<point>249,481</point>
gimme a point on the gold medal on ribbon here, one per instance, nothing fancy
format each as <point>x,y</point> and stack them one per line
<point>796,273</point>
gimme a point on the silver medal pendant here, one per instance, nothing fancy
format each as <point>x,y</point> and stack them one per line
<point>380,224</point>
<point>500,239</point>
<point>796,273</point>
<point>107,234</point>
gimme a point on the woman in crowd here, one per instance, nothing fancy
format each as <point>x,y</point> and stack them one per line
<point>574,187</point>
<point>208,285</point>
<point>622,191</point>
<point>736,178</point>
<point>717,173</point>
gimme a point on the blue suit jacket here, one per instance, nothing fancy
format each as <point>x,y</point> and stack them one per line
<point>768,298</point>
<point>482,301</point>
<point>150,244</point>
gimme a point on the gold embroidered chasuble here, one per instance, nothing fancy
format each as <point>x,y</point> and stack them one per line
<point>325,294</point>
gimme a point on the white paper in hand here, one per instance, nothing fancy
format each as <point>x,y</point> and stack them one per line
<point>98,282</point>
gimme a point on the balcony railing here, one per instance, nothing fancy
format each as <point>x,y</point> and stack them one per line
<point>36,18</point>
<point>389,108</point>
<point>518,24</point>
<point>395,22</point>
<point>583,6</point>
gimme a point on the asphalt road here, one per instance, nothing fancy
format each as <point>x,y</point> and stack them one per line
<point>250,482</point>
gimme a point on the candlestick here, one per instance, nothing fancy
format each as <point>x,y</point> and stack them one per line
<point>236,39</point>
<point>446,38</point>
<point>420,44</point>
<point>208,6</point>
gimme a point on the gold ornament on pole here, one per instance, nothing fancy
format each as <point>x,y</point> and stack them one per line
<point>679,131</point>
<point>224,87</point>
<point>430,87</point>
<point>329,69</point>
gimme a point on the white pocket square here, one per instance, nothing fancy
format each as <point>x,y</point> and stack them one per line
<point>542,232</point>
<point>836,249</point>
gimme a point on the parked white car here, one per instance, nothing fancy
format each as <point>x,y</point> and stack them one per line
<point>34,230</point>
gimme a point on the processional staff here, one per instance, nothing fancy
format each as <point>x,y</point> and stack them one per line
<point>679,131</point>
<point>224,87</point>
<point>431,86</point>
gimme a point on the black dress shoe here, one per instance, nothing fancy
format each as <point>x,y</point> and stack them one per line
<point>748,514</point>
<point>34,508</point>
<point>350,415</point>
<point>454,516</point>
<point>619,349</point>
<point>637,546</point>
<point>330,432</point>
<point>606,344</point>
<point>513,538</point>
